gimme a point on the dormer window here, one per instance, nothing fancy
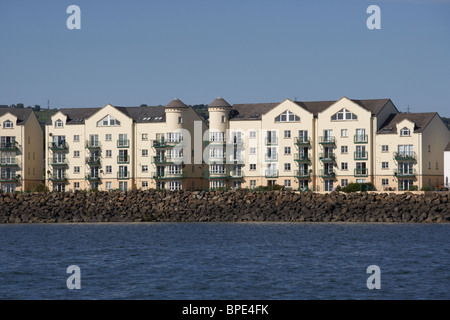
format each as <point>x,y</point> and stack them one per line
<point>8,124</point>
<point>344,114</point>
<point>59,123</point>
<point>405,132</point>
<point>287,116</point>
<point>108,121</point>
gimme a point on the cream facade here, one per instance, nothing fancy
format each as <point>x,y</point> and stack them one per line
<point>324,144</point>
<point>21,150</point>
<point>121,148</point>
<point>447,166</point>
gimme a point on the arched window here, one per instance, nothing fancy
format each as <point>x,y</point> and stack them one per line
<point>108,121</point>
<point>405,132</point>
<point>287,116</point>
<point>8,124</point>
<point>344,114</point>
<point>59,123</point>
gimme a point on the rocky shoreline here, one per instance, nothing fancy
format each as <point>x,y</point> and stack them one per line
<point>222,206</point>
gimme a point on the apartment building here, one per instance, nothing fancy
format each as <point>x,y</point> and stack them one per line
<point>320,145</point>
<point>21,149</point>
<point>116,147</point>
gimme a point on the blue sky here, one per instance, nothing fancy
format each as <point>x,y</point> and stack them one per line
<point>133,52</point>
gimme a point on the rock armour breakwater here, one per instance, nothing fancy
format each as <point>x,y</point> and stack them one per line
<point>220,206</point>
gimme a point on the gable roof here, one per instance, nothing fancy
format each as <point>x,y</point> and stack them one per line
<point>138,114</point>
<point>421,120</point>
<point>245,111</point>
<point>22,114</point>
<point>447,148</point>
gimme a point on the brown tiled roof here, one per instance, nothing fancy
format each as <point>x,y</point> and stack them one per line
<point>244,111</point>
<point>176,103</point>
<point>447,148</point>
<point>22,114</point>
<point>138,114</point>
<point>250,111</point>
<point>420,120</point>
<point>219,102</point>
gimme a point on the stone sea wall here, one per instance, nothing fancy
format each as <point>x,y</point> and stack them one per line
<point>222,206</point>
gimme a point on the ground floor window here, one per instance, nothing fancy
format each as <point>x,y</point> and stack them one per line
<point>303,185</point>
<point>385,182</point>
<point>123,185</point>
<point>271,182</point>
<point>405,184</point>
<point>287,183</point>
<point>76,186</point>
<point>328,184</point>
<point>144,184</point>
<point>160,185</point>
<point>214,184</point>
<point>360,180</point>
<point>236,184</point>
<point>60,187</point>
<point>94,185</point>
<point>344,182</point>
<point>252,183</point>
<point>174,185</point>
<point>8,187</point>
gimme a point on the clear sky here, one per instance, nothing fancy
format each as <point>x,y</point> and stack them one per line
<point>133,52</point>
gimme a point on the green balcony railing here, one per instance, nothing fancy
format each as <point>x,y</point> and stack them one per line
<point>405,172</point>
<point>302,141</point>
<point>166,175</point>
<point>123,143</point>
<point>121,159</point>
<point>271,141</point>
<point>405,156</point>
<point>123,175</point>
<point>57,177</point>
<point>93,144</point>
<point>9,146</point>
<point>93,161</point>
<point>58,161</point>
<point>327,140</point>
<point>326,173</point>
<point>216,175</point>
<point>9,178</point>
<point>360,138</point>
<point>361,172</point>
<point>159,144</point>
<point>271,173</point>
<point>327,156</point>
<point>302,173</point>
<point>61,145</point>
<point>360,155</point>
<point>302,157</point>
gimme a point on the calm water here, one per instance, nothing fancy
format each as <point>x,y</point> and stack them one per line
<point>225,261</point>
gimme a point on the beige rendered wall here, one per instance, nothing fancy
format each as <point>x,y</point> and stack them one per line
<point>34,146</point>
<point>324,122</point>
<point>435,138</point>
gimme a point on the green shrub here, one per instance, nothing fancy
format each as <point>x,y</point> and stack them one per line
<point>355,187</point>
<point>40,188</point>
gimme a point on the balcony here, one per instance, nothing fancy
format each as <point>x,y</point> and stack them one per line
<point>122,175</point>
<point>123,159</point>
<point>159,144</point>
<point>215,143</point>
<point>302,174</point>
<point>405,156</point>
<point>326,173</point>
<point>272,157</point>
<point>58,162</point>
<point>302,157</point>
<point>9,178</point>
<point>9,146</point>
<point>405,173</point>
<point>57,177</point>
<point>271,141</point>
<point>271,173</point>
<point>93,144</point>
<point>237,174</point>
<point>302,141</point>
<point>93,177</point>
<point>165,175</point>
<point>216,175</point>
<point>93,161</point>
<point>360,138</point>
<point>360,155</point>
<point>61,146</point>
<point>327,140</point>
<point>361,172</point>
<point>123,143</point>
<point>327,157</point>
<point>236,141</point>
